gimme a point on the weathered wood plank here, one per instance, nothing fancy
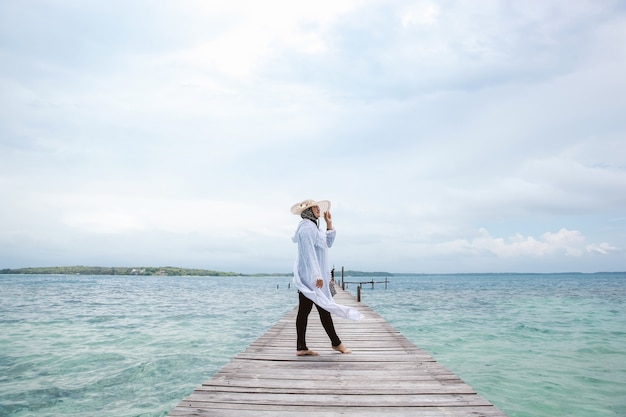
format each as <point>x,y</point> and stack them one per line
<point>333,411</point>
<point>198,399</point>
<point>386,375</point>
<point>400,389</point>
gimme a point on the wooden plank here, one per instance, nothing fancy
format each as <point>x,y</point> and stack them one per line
<point>203,400</point>
<point>386,375</point>
<point>333,411</point>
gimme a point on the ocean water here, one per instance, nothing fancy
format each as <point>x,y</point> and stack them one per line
<point>534,345</point>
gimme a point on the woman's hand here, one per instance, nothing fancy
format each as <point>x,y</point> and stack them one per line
<point>329,220</point>
<point>319,283</point>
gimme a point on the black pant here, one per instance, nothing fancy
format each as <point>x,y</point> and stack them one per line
<point>303,317</point>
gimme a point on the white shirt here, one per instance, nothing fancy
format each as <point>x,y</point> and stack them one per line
<point>312,264</point>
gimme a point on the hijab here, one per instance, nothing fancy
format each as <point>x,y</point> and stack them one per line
<point>308,214</point>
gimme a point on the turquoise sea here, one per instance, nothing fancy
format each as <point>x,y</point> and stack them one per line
<point>534,345</point>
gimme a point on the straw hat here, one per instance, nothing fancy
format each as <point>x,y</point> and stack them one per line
<point>298,208</point>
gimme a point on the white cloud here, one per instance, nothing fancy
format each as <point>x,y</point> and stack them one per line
<point>256,31</point>
<point>197,124</point>
<point>421,13</point>
<point>570,243</point>
<point>602,248</point>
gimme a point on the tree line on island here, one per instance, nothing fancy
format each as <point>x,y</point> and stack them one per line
<point>158,271</point>
<point>104,270</point>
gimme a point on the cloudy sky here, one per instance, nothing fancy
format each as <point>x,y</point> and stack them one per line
<point>450,136</point>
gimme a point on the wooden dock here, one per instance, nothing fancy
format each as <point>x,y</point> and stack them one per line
<point>386,375</point>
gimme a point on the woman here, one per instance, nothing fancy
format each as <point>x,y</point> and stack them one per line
<point>311,274</point>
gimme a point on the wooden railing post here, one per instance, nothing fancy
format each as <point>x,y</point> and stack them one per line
<point>343,283</point>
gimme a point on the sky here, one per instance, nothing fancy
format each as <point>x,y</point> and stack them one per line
<point>450,136</point>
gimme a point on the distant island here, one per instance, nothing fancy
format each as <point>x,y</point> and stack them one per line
<point>169,271</point>
<point>103,270</point>
<point>348,273</point>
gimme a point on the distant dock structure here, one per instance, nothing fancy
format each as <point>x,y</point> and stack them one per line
<point>386,375</point>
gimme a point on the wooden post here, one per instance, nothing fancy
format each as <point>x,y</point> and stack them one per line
<point>358,293</point>
<point>343,283</point>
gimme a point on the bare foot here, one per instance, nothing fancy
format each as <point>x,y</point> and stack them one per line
<point>341,348</point>
<point>307,352</point>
